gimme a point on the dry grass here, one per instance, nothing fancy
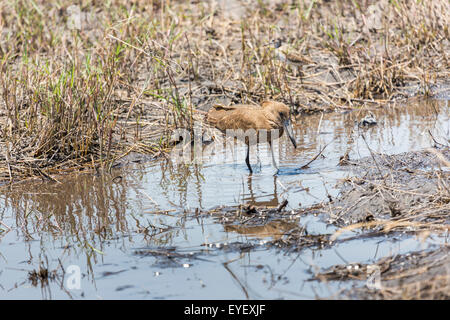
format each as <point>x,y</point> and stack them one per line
<point>134,71</point>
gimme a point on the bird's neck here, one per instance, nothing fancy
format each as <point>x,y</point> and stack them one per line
<point>272,117</point>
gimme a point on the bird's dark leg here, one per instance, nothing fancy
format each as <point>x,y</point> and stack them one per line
<point>247,159</point>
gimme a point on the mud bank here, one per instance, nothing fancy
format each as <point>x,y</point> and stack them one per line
<point>403,186</point>
<point>404,193</point>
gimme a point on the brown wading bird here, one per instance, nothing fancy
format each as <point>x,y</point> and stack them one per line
<point>289,56</point>
<point>271,115</point>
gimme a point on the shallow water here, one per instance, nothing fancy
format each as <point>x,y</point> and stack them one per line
<point>120,228</point>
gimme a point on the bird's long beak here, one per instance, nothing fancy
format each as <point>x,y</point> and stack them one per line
<point>287,125</point>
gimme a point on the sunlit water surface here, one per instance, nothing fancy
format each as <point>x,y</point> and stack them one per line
<point>104,224</point>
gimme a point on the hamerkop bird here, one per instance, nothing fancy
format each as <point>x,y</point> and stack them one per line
<point>271,115</point>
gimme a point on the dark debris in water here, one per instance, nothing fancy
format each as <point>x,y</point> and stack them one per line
<point>235,246</point>
<point>277,226</point>
<point>41,276</point>
<point>369,120</point>
<point>251,215</point>
<point>299,239</point>
<point>351,271</point>
<point>170,257</point>
<point>124,287</point>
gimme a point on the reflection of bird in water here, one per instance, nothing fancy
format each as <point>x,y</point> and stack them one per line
<point>271,115</point>
<point>273,202</point>
<point>288,55</point>
<point>368,120</point>
<point>275,229</point>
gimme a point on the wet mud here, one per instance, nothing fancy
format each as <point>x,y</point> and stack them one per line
<point>405,193</point>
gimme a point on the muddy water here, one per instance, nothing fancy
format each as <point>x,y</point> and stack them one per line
<point>143,231</point>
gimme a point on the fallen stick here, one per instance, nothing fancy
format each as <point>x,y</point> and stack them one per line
<point>315,157</point>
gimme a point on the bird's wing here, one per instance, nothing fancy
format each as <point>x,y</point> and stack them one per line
<point>244,118</point>
<point>294,57</point>
<point>216,113</point>
<point>236,106</point>
<point>220,113</point>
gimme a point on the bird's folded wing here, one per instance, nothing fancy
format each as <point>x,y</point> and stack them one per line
<point>234,107</point>
<point>236,117</point>
<point>218,112</point>
<point>296,58</point>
